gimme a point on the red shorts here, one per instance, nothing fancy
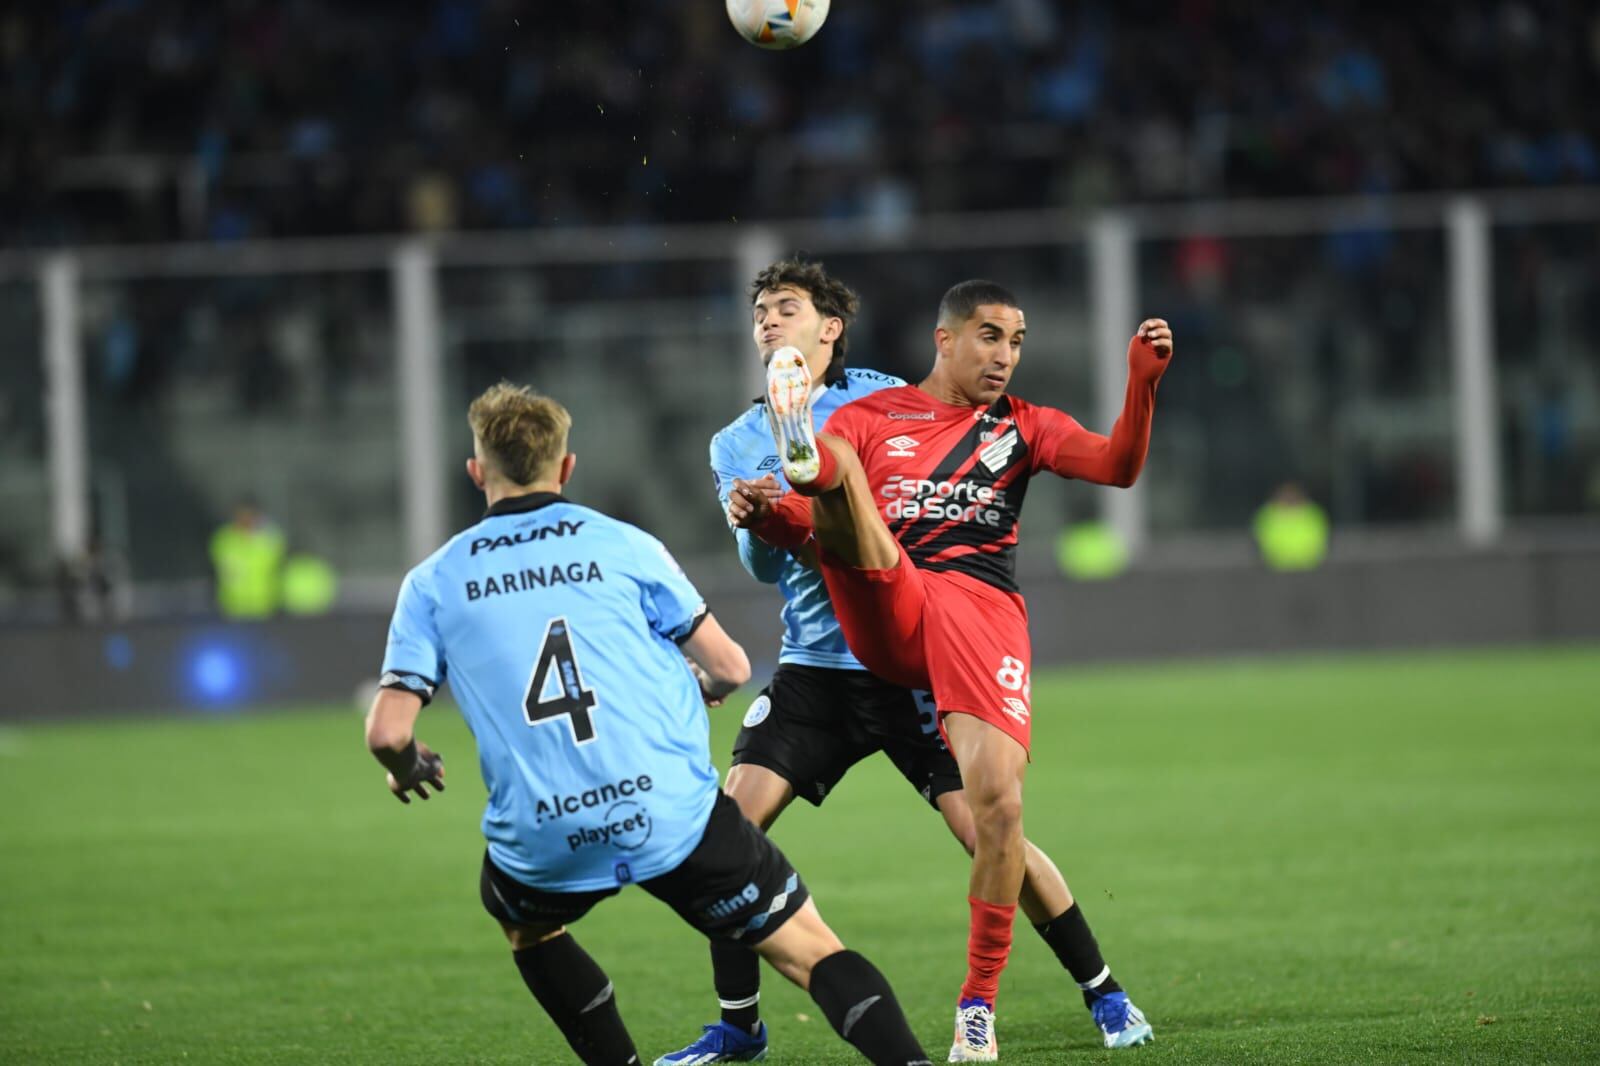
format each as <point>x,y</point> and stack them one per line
<point>963,640</point>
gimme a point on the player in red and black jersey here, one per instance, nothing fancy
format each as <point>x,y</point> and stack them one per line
<point>912,496</point>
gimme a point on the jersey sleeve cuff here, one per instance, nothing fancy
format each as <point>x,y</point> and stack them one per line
<point>415,684</point>
<point>694,623</point>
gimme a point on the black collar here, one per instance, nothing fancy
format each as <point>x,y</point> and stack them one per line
<point>531,501</point>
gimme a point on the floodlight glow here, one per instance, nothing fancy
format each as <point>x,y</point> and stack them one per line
<point>215,674</point>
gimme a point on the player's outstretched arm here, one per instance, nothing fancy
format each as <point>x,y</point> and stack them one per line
<point>391,737</point>
<point>717,660</point>
<point>782,519</point>
<point>761,561</point>
<point>1118,459</point>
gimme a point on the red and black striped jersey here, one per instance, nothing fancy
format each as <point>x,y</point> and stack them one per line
<point>950,480</point>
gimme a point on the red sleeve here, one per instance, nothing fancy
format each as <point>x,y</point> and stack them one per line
<point>789,526</point>
<point>1067,449</point>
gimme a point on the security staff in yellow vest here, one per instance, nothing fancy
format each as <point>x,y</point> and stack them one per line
<point>247,555</point>
<point>1291,531</point>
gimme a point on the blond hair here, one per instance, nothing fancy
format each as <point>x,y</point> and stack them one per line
<point>521,434</point>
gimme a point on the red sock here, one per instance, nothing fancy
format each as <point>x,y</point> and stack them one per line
<point>828,474</point>
<point>988,948</point>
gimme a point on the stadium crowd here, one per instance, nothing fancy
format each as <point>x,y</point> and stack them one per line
<point>142,120</point>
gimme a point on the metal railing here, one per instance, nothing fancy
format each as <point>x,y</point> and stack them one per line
<point>1108,243</point>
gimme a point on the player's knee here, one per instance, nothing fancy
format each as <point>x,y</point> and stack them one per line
<point>798,945</point>
<point>997,811</point>
<point>841,449</point>
<point>760,793</point>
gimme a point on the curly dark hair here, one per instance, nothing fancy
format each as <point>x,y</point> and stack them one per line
<point>831,297</point>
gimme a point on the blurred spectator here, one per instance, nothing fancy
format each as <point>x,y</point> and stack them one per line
<point>309,584</point>
<point>1091,551</point>
<point>156,119</point>
<point>247,556</point>
<point>1291,531</point>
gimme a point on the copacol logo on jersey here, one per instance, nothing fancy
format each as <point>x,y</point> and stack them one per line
<point>759,709</point>
<point>626,827</point>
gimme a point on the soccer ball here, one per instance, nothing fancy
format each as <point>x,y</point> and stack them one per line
<point>777,24</point>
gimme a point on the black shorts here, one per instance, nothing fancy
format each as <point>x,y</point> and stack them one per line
<point>735,885</point>
<point>811,724</point>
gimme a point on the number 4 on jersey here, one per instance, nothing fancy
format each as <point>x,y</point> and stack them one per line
<point>556,689</point>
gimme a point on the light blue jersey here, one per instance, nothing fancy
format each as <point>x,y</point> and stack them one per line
<point>744,449</point>
<point>558,628</point>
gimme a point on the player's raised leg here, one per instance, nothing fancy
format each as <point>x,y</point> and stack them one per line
<point>992,767</point>
<point>846,517</point>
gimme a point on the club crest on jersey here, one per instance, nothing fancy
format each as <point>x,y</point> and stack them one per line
<point>997,453</point>
<point>1017,709</point>
<point>900,447</point>
<point>759,709</point>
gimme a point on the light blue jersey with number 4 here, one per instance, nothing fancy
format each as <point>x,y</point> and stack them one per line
<point>558,629</point>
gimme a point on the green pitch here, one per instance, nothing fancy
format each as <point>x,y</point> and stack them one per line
<point>1334,860</point>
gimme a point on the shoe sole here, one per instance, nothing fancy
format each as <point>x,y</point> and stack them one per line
<point>789,414</point>
<point>1133,1036</point>
<point>760,1056</point>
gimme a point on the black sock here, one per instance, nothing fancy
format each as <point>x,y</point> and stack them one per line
<point>736,972</point>
<point>861,1007</point>
<point>1069,937</point>
<point>577,995</point>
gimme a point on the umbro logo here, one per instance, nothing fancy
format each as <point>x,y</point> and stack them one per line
<point>1017,709</point>
<point>911,416</point>
<point>769,463</point>
<point>901,446</point>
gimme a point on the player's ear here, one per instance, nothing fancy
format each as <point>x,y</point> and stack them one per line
<point>832,329</point>
<point>943,339</point>
<point>568,461</point>
<point>475,471</point>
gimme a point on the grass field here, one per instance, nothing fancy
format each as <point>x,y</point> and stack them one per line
<point>1385,859</point>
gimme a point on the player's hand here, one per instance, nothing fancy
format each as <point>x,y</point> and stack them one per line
<point>705,682</point>
<point>429,770</point>
<point>751,501</point>
<point>1150,351</point>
